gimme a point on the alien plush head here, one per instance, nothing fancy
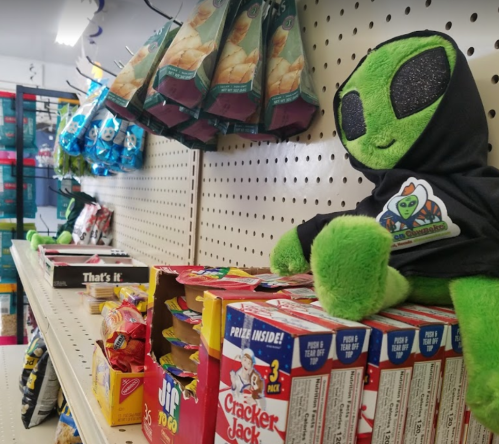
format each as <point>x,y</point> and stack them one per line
<point>385,111</point>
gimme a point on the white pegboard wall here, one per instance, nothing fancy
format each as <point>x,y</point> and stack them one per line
<point>155,210</point>
<point>252,193</point>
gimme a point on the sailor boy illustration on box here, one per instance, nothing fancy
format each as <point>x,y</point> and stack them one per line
<point>246,383</point>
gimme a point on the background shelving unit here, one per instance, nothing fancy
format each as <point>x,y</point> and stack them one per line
<point>250,193</point>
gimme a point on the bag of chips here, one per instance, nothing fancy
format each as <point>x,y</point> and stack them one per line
<point>237,83</point>
<point>72,136</point>
<point>93,133</point>
<point>102,220</point>
<point>185,72</point>
<point>123,333</point>
<point>291,101</point>
<point>128,90</point>
<point>36,349</point>
<point>201,126</point>
<point>132,157</point>
<point>66,432</point>
<point>40,393</point>
<point>84,224</point>
<point>111,139</point>
<point>100,170</point>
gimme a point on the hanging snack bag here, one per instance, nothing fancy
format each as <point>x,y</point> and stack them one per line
<point>185,72</point>
<point>102,220</point>
<point>201,126</point>
<point>73,135</point>
<point>92,134</point>
<point>61,158</point>
<point>40,393</point>
<point>132,156</point>
<point>111,139</point>
<point>237,83</point>
<point>291,101</point>
<point>84,224</point>
<point>123,333</point>
<point>128,91</point>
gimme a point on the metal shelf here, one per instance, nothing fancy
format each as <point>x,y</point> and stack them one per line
<point>70,333</point>
<point>11,427</point>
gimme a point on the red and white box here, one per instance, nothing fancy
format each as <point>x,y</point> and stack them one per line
<point>474,432</point>
<point>274,377</point>
<point>495,439</point>
<point>350,345</point>
<point>389,372</point>
<point>452,399</point>
<point>427,375</point>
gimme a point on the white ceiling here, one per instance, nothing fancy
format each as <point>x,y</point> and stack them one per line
<point>29,27</point>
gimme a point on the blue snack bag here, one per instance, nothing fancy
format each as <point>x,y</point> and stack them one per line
<point>92,134</point>
<point>132,157</point>
<point>101,170</point>
<point>111,139</point>
<point>73,135</point>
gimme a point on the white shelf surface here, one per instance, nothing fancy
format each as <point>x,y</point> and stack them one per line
<point>11,427</point>
<point>70,333</point>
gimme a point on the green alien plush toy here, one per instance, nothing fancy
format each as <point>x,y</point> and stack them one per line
<point>64,233</point>
<point>412,120</point>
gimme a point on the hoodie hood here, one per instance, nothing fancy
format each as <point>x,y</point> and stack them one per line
<point>456,138</point>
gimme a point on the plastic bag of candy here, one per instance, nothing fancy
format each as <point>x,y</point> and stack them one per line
<point>132,156</point>
<point>84,224</point>
<point>73,135</point>
<point>111,139</point>
<point>123,333</point>
<point>92,134</point>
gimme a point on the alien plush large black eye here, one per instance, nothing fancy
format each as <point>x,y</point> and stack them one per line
<point>352,116</point>
<point>420,82</point>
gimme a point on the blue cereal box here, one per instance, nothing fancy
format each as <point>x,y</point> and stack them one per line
<point>274,377</point>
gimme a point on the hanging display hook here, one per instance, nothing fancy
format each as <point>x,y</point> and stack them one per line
<point>119,64</point>
<point>169,17</point>
<point>100,67</point>
<point>75,88</point>
<point>88,77</point>
<point>129,51</point>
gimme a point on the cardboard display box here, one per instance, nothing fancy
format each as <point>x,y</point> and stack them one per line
<point>118,394</point>
<point>274,377</point>
<point>452,399</point>
<point>350,344</point>
<point>427,375</point>
<point>176,411</point>
<point>389,372</point>
<point>74,272</point>
<point>77,250</point>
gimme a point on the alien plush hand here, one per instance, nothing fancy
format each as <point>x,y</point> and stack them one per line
<point>411,118</point>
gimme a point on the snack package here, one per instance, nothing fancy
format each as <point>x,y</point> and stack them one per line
<point>123,333</point>
<point>61,158</point>
<point>34,352</point>
<point>93,133</point>
<point>102,221</point>
<point>111,139</point>
<point>202,128</point>
<point>237,83</point>
<point>8,121</point>
<point>72,136</point>
<point>106,307</point>
<point>185,72</point>
<point>67,432</point>
<point>168,363</point>
<point>128,91</point>
<point>84,224</point>
<point>291,101</point>
<point>132,156</point>
<point>135,296</point>
<point>40,393</point>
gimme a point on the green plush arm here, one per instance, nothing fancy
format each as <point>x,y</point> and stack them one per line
<point>287,256</point>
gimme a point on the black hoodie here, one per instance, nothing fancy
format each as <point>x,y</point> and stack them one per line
<point>450,160</point>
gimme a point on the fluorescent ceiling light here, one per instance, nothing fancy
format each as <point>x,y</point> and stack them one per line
<point>74,19</point>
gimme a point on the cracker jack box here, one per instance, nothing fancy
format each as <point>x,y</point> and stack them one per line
<point>274,377</point>
<point>350,344</point>
<point>390,361</point>
<point>175,410</point>
<point>452,399</point>
<point>118,394</point>
<point>474,432</point>
<point>426,377</point>
<point>77,271</point>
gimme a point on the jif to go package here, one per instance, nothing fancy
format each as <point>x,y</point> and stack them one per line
<point>291,101</point>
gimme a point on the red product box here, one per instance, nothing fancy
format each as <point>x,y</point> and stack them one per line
<point>389,372</point>
<point>427,375</point>
<point>474,432</point>
<point>274,377</point>
<point>350,345</point>
<point>452,399</point>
